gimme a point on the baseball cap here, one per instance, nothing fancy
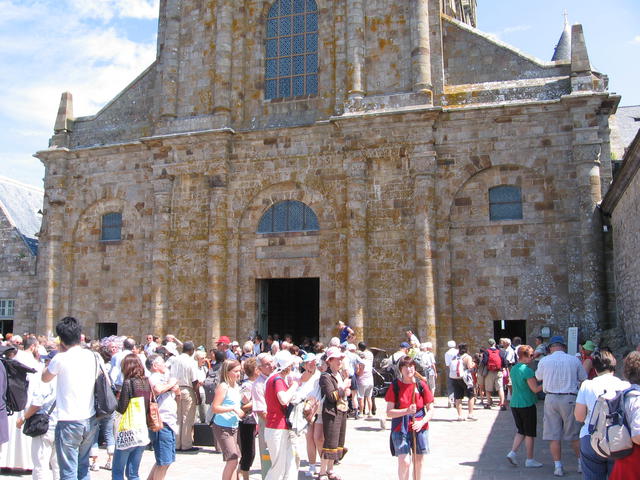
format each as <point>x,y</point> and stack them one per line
<point>405,345</point>
<point>557,339</point>
<point>224,339</point>
<point>451,344</point>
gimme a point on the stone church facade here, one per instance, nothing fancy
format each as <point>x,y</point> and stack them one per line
<point>383,163</point>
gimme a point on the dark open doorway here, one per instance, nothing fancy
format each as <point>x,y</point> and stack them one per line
<point>289,305</point>
<point>106,329</point>
<point>510,329</point>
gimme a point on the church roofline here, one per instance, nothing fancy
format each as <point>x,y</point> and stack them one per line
<point>500,43</point>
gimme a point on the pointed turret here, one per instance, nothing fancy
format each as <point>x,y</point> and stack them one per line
<point>563,48</point>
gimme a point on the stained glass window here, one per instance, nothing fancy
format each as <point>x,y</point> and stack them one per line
<point>291,67</point>
<point>288,216</point>
<point>505,203</point>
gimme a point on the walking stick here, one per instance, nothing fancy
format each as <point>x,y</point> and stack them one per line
<point>413,435</point>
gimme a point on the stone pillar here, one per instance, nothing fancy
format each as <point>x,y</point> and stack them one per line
<point>355,49</point>
<point>160,275</point>
<point>586,151</point>
<point>425,219</point>
<point>420,47</point>
<point>357,256</point>
<point>222,67</point>
<point>168,58</point>
<point>218,254</point>
<point>51,262</point>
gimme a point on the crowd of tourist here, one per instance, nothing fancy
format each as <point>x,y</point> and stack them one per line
<point>293,398</point>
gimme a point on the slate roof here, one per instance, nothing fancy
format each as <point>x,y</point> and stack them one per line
<point>20,203</point>
<point>625,124</point>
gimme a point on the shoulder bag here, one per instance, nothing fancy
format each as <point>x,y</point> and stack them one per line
<point>104,399</point>
<point>38,424</point>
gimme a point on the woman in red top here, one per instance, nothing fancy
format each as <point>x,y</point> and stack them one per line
<point>277,395</point>
<point>628,468</point>
<point>410,406</point>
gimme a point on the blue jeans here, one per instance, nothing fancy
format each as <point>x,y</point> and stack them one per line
<point>126,462</point>
<point>594,467</point>
<point>106,425</point>
<point>73,445</point>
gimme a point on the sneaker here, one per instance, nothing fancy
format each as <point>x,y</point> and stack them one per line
<point>503,408</point>
<point>487,407</point>
<point>511,457</point>
<point>471,418</point>
<point>461,419</point>
<point>531,463</point>
<point>558,472</point>
<point>579,465</point>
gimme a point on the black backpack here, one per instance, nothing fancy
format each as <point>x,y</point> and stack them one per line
<point>17,383</point>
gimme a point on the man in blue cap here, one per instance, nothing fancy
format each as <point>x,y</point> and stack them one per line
<point>561,376</point>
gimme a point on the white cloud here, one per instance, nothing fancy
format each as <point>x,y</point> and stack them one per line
<point>636,40</point>
<point>50,46</point>
<point>108,9</point>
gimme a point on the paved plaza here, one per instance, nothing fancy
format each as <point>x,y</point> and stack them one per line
<point>459,451</point>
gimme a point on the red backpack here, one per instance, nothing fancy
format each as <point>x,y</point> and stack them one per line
<point>494,361</point>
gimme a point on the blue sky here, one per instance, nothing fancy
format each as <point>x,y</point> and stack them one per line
<point>94,48</point>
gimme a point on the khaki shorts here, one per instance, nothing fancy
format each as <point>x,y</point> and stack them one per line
<point>559,422</point>
<point>493,381</point>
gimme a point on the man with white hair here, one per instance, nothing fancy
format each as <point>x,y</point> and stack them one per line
<point>266,366</point>
<point>428,362</point>
<point>448,356</point>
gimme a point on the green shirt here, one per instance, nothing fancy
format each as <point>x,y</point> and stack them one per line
<point>521,394</point>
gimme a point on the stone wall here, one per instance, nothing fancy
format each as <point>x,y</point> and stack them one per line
<point>18,276</point>
<point>621,206</point>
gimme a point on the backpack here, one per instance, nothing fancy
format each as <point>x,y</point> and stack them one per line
<point>210,384</point>
<point>456,369</point>
<point>17,383</point>
<point>608,425</point>
<point>494,360</point>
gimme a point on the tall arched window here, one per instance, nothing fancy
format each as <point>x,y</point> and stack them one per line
<point>291,68</point>
<point>111,227</point>
<point>505,203</point>
<point>288,216</point>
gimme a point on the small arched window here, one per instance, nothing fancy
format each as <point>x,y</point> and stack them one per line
<point>291,65</point>
<point>288,216</point>
<point>505,203</point>
<point>111,227</point>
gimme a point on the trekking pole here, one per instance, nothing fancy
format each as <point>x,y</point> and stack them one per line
<point>414,447</point>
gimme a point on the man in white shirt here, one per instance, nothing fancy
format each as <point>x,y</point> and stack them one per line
<point>76,369</point>
<point>561,376</point>
<point>266,365</point>
<point>184,369</point>
<point>151,345</point>
<point>448,356</point>
<point>115,373</point>
<point>428,362</point>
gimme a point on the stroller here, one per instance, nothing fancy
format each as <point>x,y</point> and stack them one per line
<point>383,373</point>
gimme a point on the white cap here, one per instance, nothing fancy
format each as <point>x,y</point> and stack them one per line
<point>351,347</point>
<point>451,344</point>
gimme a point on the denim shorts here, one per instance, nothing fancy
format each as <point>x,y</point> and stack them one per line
<point>164,446</point>
<point>402,442</point>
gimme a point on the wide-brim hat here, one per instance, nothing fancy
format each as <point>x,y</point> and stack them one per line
<point>283,359</point>
<point>172,348</point>
<point>589,346</point>
<point>334,352</point>
<point>451,344</point>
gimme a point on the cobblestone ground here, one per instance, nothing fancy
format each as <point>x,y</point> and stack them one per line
<point>459,451</point>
